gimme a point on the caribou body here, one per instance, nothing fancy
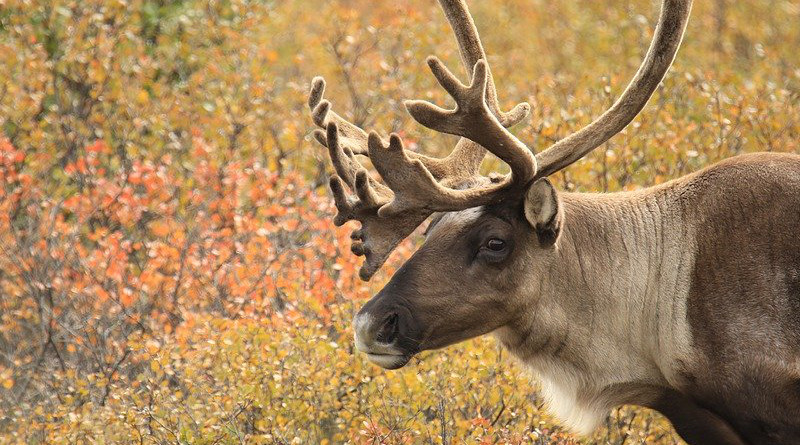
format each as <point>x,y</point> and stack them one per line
<point>684,297</point>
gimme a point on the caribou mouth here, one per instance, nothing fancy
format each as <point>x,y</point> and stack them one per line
<point>389,361</point>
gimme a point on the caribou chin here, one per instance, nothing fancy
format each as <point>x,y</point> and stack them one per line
<point>389,361</point>
<point>684,297</point>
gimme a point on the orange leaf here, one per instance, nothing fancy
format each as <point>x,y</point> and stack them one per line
<point>159,228</point>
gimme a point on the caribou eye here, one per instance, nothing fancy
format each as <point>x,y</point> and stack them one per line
<point>496,245</point>
<point>494,250</point>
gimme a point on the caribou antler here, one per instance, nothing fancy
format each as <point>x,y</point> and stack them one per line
<point>666,40</point>
<point>418,185</point>
<point>462,163</point>
<point>471,49</point>
<point>471,119</point>
<point>389,214</point>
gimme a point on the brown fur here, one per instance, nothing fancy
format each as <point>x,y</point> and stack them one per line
<point>682,297</point>
<point>744,303</point>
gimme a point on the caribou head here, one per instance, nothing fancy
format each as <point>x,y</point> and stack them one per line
<point>475,271</point>
<point>608,298</point>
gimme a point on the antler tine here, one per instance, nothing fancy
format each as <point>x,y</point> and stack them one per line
<point>462,162</point>
<point>465,159</point>
<point>416,190</point>
<point>414,187</point>
<point>377,236</point>
<point>471,49</point>
<point>348,168</point>
<point>666,40</point>
<point>473,120</point>
<point>468,153</point>
<point>353,137</point>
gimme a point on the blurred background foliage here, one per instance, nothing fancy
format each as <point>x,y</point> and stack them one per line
<point>169,271</point>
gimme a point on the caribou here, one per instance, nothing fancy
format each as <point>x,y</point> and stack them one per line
<point>683,297</point>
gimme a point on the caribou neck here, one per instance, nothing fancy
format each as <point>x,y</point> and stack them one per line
<point>611,309</point>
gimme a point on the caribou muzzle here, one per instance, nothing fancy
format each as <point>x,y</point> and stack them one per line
<point>386,333</point>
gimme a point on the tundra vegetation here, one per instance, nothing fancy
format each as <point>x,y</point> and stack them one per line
<point>169,267</point>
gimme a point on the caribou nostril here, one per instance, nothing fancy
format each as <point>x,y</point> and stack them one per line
<point>389,331</point>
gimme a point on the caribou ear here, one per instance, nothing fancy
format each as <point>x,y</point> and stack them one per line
<point>543,211</point>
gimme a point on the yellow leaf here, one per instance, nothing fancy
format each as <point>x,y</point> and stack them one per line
<point>143,97</point>
<point>8,383</point>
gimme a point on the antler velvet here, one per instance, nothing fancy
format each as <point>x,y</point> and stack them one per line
<point>417,185</point>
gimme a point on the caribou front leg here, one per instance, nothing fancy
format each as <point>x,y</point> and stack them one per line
<point>695,424</point>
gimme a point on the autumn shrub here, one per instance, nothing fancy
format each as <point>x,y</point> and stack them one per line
<point>190,328</point>
<point>169,269</point>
